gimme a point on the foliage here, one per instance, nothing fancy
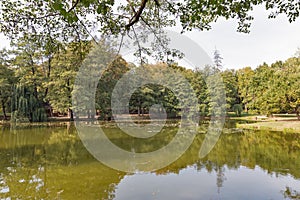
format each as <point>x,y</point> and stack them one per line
<point>29,92</point>
<point>7,79</point>
<point>58,19</point>
<point>218,59</point>
<point>106,84</point>
<point>238,109</point>
<point>65,64</point>
<point>51,22</point>
<point>245,90</point>
<point>32,77</point>
<point>271,89</point>
<point>25,106</point>
<point>230,81</point>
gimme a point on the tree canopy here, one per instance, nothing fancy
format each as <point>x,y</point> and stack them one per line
<point>77,19</point>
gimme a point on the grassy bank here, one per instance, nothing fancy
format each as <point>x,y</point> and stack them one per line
<point>286,123</point>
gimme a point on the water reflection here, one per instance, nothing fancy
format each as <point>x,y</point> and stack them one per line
<point>190,183</point>
<point>52,163</point>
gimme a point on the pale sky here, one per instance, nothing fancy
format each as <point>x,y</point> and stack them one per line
<point>270,40</point>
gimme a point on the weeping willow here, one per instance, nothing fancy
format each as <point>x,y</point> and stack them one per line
<point>25,106</point>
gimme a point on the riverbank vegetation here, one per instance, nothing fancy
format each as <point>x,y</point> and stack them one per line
<point>37,85</point>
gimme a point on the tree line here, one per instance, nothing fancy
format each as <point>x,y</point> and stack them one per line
<point>36,84</point>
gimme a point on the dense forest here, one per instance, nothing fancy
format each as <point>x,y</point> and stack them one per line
<point>37,84</point>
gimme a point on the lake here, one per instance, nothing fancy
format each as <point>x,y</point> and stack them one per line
<point>52,163</point>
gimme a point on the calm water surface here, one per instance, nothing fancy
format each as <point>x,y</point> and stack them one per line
<point>52,163</point>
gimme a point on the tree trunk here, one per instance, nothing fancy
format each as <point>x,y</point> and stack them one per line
<point>70,114</point>
<point>4,110</point>
<point>88,114</point>
<point>139,110</point>
<point>51,111</point>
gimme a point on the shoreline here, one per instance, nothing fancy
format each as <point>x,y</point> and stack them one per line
<point>254,122</point>
<point>280,123</point>
<point>279,126</point>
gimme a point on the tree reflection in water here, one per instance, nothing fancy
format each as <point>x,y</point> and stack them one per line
<point>291,194</point>
<point>52,163</point>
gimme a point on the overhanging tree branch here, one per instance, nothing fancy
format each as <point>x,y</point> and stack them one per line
<point>137,14</point>
<point>74,5</point>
